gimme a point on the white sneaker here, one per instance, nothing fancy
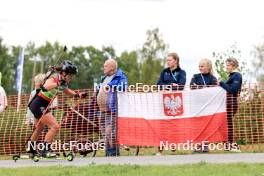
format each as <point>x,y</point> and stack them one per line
<point>126,148</point>
<point>158,154</point>
<point>235,148</point>
<point>50,155</point>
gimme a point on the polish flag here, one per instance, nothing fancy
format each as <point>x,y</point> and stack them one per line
<point>146,119</point>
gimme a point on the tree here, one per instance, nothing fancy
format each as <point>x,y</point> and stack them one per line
<point>8,63</point>
<point>128,62</point>
<point>142,66</point>
<point>258,63</point>
<point>220,57</point>
<point>30,67</point>
<point>38,60</point>
<point>96,62</point>
<point>152,56</point>
<point>80,58</point>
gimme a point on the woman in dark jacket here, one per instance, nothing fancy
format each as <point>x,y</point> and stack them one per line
<point>200,80</point>
<point>173,75</point>
<point>205,78</point>
<point>233,88</point>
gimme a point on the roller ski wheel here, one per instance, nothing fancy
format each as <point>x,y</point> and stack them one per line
<point>70,156</point>
<point>35,158</point>
<point>16,157</point>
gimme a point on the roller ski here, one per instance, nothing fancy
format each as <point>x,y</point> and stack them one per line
<point>36,157</point>
<point>43,155</point>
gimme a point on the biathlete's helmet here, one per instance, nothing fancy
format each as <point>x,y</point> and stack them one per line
<point>69,68</point>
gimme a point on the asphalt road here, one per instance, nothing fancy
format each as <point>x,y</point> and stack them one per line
<point>142,160</point>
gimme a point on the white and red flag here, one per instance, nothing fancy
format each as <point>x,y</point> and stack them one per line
<point>146,119</point>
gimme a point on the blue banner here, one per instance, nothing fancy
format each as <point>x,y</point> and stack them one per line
<point>20,70</point>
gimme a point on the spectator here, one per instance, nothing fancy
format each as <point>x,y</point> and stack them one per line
<point>3,98</point>
<point>114,79</point>
<point>233,88</point>
<point>205,78</point>
<point>200,80</point>
<point>173,75</point>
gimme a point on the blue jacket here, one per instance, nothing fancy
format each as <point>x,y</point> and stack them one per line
<point>202,80</point>
<point>233,84</point>
<point>233,88</point>
<point>118,83</point>
<point>167,78</point>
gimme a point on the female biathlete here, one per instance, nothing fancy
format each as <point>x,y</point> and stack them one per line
<point>39,106</point>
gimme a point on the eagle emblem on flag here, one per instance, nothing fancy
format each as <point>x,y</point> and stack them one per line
<point>173,104</point>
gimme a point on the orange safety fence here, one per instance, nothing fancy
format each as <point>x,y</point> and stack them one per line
<point>202,115</point>
<point>78,120</point>
<point>84,121</point>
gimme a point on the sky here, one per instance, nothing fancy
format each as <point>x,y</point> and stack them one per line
<point>193,29</point>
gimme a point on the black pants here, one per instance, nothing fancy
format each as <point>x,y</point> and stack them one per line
<point>232,107</point>
<point>38,106</point>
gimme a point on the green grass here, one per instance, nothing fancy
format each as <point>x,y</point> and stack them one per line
<point>200,169</point>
